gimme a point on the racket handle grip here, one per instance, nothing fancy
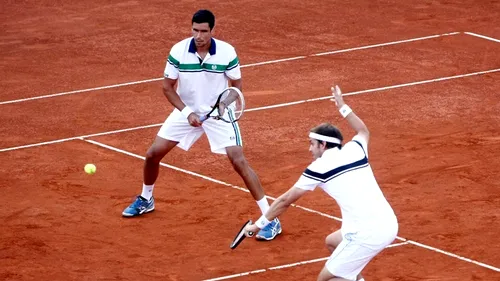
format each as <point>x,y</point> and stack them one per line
<point>250,232</point>
<point>203,118</point>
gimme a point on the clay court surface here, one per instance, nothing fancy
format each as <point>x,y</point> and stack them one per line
<point>81,83</point>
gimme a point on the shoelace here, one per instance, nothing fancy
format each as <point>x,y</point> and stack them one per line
<point>139,202</point>
<point>269,226</point>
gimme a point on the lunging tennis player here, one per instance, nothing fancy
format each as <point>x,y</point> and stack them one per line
<point>343,172</point>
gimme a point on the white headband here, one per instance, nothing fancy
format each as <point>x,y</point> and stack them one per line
<point>324,138</point>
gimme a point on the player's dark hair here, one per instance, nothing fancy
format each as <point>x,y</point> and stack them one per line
<point>327,129</point>
<point>203,16</point>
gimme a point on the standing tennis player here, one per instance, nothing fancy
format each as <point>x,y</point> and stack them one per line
<point>202,67</point>
<point>343,172</point>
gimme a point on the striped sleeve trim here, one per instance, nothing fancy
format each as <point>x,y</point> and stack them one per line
<point>360,146</point>
<point>173,61</point>
<point>325,177</point>
<point>233,64</point>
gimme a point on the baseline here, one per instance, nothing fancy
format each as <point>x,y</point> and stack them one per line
<point>482,36</point>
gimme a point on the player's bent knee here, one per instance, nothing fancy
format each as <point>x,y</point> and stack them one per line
<point>150,155</point>
<point>155,154</point>
<point>330,247</point>
<point>333,240</point>
<point>324,275</point>
<point>159,149</point>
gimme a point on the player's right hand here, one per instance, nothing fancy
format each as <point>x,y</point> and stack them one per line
<point>251,229</point>
<point>194,120</point>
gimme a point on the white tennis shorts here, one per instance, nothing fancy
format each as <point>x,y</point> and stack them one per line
<point>219,133</point>
<point>357,249</point>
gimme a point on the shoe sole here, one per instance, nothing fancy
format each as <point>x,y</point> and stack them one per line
<point>268,239</point>
<point>127,215</point>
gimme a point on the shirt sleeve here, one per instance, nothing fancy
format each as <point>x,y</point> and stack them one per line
<point>233,70</point>
<point>308,180</point>
<point>172,67</point>
<point>363,143</point>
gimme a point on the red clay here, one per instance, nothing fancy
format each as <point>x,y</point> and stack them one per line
<point>435,147</point>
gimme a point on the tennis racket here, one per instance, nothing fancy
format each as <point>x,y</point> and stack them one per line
<point>229,106</point>
<point>240,236</point>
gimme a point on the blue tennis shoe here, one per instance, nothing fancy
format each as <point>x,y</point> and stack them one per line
<point>139,206</point>
<point>270,231</point>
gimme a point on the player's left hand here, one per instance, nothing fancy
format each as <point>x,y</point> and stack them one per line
<point>337,96</point>
<point>251,228</point>
<point>222,108</point>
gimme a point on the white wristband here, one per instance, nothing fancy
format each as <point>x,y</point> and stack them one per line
<point>262,222</point>
<point>345,110</point>
<point>186,111</point>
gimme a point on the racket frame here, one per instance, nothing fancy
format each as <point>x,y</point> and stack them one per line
<point>216,106</point>
<point>240,236</point>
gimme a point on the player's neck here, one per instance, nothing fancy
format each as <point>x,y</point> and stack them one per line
<point>204,49</point>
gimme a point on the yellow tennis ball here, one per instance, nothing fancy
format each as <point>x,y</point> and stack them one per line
<point>90,169</point>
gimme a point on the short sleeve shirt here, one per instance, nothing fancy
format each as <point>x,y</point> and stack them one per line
<point>347,177</point>
<point>200,81</point>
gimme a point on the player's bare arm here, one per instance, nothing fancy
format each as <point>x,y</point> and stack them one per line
<point>238,83</point>
<point>356,123</point>
<point>175,100</point>
<point>278,207</point>
<point>170,93</point>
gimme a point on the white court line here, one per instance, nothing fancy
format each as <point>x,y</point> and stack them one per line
<point>80,137</point>
<point>165,165</point>
<point>202,176</point>
<point>294,205</point>
<point>387,44</point>
<point>273,61</point>
<point>282,266</point>
<point>263,107</point>
<point>81,91</point>
<point>453,255</point>
<point>377,89</point>
<point>248,65</point>
<point>482,36</point>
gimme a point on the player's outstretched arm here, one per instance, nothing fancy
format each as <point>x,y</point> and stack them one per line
<point>277,208</point>
<point>356,123</point>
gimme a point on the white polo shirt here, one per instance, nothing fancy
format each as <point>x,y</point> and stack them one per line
<point>346,176</point>
<point>199,82</point>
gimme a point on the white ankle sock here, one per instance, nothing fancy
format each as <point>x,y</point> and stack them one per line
<point>263,205</point>
<point>147,191</point>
